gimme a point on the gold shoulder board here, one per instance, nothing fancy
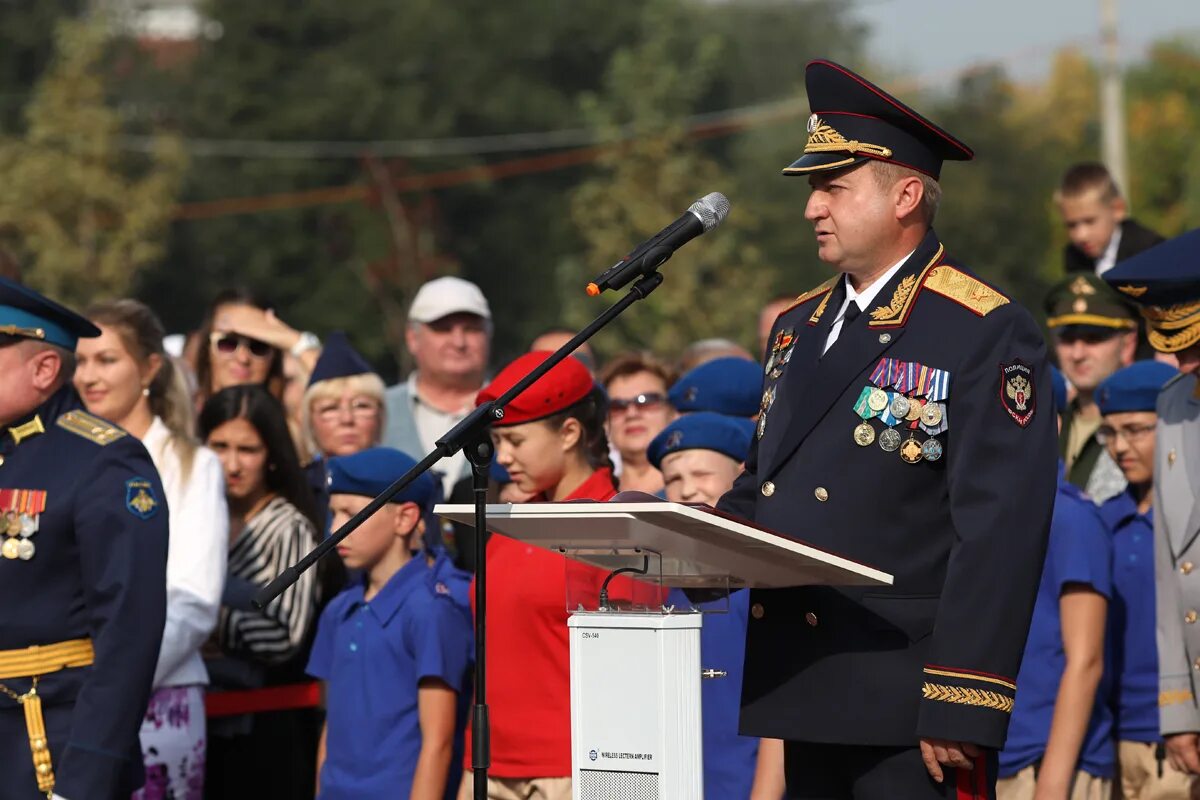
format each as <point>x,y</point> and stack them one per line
<point>827,286</point>
<point>965,290</point>
<point>84,424</point>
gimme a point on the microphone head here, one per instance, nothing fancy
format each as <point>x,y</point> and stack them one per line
<point>711,210</point>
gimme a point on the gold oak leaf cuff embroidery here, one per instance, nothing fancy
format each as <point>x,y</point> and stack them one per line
<point>968,697</point>
<point>1175,697</point>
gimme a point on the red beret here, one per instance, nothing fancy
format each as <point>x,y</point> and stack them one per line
<point>563,386</point>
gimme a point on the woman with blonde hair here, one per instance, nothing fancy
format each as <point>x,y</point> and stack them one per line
<point>125,376</point>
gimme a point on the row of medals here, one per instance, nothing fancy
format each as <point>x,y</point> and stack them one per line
<point>18,528</point>
<point>911,450</point>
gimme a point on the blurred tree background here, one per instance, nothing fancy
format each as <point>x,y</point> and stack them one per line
<point>334,156</point>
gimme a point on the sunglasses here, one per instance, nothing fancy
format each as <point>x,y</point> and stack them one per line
<point>648,400</point>
<point>229,343</point>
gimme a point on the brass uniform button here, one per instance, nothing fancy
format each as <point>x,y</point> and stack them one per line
<point>1190,618</point>
<point>821,493</point>
<point>1187,567</point>
<point>768,489</point>
<point>756,611</point>
<point>811,619</point>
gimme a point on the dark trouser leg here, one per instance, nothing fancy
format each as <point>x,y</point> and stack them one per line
<point>816,771</point>
<point>888,773</point>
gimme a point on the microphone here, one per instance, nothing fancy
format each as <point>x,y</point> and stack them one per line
<point>705,214</point>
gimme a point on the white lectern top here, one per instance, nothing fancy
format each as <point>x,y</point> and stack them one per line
<point>698,545</point>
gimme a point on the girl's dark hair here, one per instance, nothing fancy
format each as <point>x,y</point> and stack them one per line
<point>255,404</point>
<point>591,412</point>
<point>240,296</point>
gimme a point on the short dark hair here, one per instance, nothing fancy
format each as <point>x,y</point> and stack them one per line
<point>255,404</point>
<point>1088,176</point>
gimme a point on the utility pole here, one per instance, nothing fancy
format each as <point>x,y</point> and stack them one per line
<point>1112,104</point>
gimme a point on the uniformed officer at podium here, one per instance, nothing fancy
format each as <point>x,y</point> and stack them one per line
<point>83,572</point>
<point>905,423</point>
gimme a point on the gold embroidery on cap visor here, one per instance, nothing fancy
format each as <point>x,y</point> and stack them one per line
<point>1172,328</point>
<point>824,138</point>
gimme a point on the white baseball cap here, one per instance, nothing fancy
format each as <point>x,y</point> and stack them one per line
<point>442,297</point>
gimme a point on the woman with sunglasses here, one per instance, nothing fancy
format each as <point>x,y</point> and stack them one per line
<point>124,375</point>
<point>638,410</point>
<point>242,341</point>
<point>552,443</point>
<point>272,524</point>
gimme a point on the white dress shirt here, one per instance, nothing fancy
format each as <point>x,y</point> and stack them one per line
<point>861,299</point>
<point>198,546</point>
<point>1108,259</point>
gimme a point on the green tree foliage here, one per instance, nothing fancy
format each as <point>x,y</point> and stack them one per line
<point>76,218</point>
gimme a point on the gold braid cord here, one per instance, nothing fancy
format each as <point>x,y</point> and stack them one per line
<point>980,698</point>
<point>1173,342</point>
<point>1174,698</point>
<point>1169,317</point>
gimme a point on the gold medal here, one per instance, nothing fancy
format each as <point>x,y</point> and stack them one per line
<point>878,400</point>
<point>914,410</point>
<point>12,523</point>
<point>910,451</point>
<point>10,549</point>
<point>25,549</point>
<point>931,415</point>
<point>864,434</point>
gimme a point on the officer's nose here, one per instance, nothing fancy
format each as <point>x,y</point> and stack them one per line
<point>815,209</point>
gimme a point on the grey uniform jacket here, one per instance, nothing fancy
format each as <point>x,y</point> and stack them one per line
<point>1177,553</point>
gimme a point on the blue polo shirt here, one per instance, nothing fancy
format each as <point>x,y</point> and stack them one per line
<point>372,655</point>
<point>1080,552</point>
<point>1131,620</point>
<point>729,758</point>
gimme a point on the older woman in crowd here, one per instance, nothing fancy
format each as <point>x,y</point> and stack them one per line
<point>124,375</point>
<point>272,524</point>
<point>342,412</point>
<point>638,410</point>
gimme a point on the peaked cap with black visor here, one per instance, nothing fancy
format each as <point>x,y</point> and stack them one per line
<point>853,120</point>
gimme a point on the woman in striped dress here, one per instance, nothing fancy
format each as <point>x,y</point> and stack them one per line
<point>271,526</point>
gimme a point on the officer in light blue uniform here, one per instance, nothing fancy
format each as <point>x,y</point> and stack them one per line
<point>1127,400</point>
<point>729,758</point>
<point>373,654</point>
<point>730,386</point>
<point>1079,555</point>
<point>83,573</point>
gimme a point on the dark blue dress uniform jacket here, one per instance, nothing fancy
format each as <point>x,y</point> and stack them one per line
<point>936,654</point>
<point>99,571</point>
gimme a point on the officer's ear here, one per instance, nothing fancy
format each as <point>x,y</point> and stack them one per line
<point>50,367</point>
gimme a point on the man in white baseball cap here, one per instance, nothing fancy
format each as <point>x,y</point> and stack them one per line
<point>449,336</point>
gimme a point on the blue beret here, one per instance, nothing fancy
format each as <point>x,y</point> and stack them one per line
<point>730,385</point>
<point>338,359</point>
<point>703,430</point>
<point>1134,388</point>
<point>370,472</point>
<point>1058,385</point>
<point>25,313</point>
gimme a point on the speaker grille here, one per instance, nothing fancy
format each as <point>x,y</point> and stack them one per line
<point>597,784</point>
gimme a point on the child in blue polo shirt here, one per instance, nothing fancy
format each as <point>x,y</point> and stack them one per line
<point>393,649</point>
<point>1127,399</point>
<point>1060,736</point>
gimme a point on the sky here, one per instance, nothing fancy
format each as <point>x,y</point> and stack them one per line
<point>931,39</point>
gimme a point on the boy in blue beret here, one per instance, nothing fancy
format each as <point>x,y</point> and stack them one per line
<point>394,649</point>
<point>730,386</point>
<point>700,455</point>
<point>1127,400</point>
<point>1060,735</point>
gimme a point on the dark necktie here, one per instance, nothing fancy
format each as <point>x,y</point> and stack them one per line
<point>852,312</point>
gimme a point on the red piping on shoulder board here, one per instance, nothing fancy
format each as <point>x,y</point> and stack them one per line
<point>271,698</point>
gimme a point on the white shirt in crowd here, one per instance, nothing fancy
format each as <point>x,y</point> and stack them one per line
<point>862,299</point>
<point>198,546</point>
<point>1108,259</point>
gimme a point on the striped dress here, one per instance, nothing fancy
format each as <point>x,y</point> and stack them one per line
<point>277,537</point>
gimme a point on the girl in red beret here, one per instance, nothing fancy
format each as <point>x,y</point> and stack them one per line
<point>552,443</point>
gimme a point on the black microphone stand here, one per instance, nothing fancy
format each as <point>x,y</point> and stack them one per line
<point>472,436</point>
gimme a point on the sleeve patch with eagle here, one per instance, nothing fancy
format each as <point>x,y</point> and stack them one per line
<point>1017,392</point>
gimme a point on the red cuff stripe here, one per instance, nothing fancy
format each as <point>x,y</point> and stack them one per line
<point>973,672</point>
